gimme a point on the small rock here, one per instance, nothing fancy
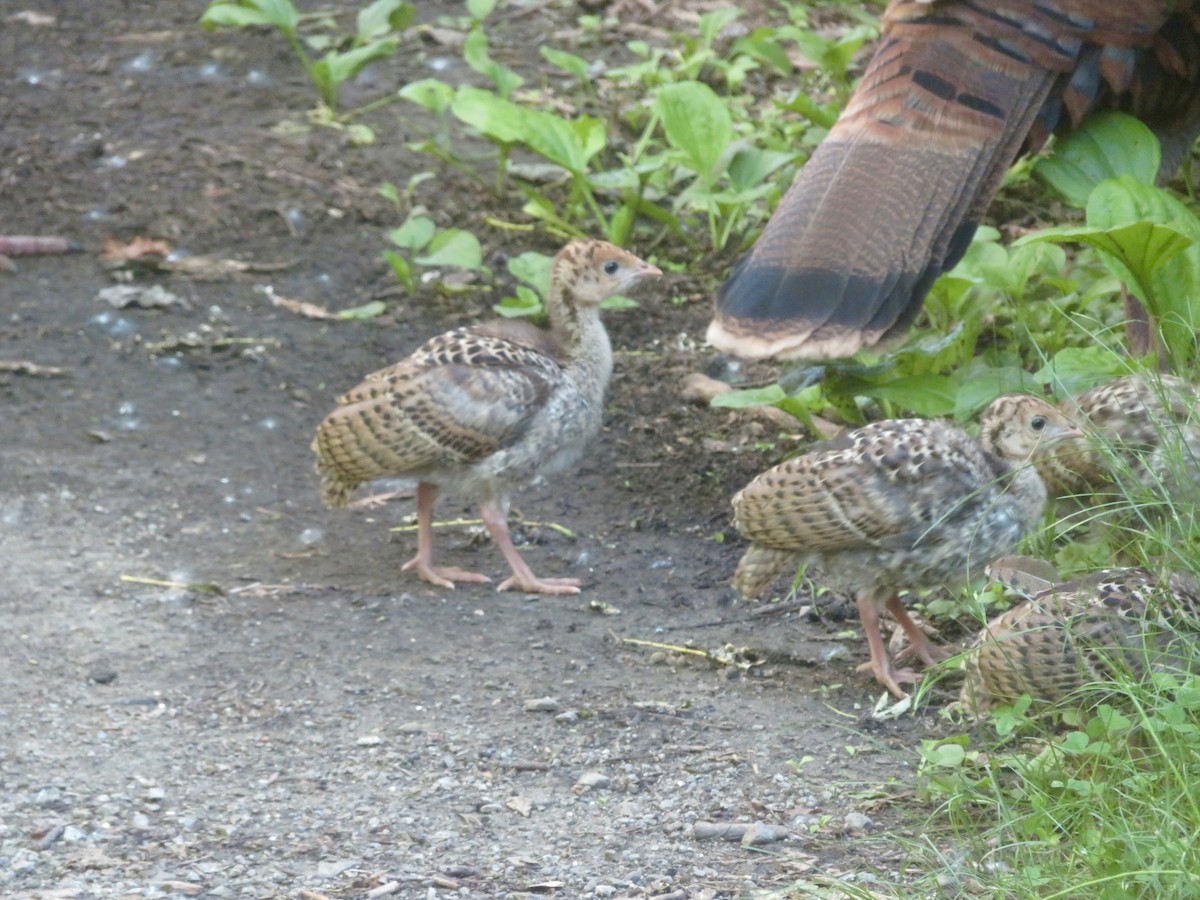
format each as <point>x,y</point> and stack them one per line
<point>335,867</point>
<point>542,704</point>
<point>369,740</point>
<point>48,796</point>
<point>856,821</point>
<point>589,780</point>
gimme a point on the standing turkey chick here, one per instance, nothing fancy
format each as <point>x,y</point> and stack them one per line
<point>485,408</point>
<point>1143,426</point>
<point>899,505</point>
<point>1081,632</point>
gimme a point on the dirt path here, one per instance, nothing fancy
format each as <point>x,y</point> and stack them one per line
<point>325,724</point>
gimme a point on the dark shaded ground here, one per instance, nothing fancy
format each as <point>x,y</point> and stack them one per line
<point>327,724</point>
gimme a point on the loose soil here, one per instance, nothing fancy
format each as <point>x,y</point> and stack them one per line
<point>211,686</point>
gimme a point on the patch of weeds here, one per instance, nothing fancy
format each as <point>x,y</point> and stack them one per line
<point>421,244</point>
<point>343,55</point>
<point>1106,806</point>
<point>641,146</point>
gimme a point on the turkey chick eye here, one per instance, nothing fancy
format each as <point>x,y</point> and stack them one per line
<point>1038,423</point>
<point>610,267</point>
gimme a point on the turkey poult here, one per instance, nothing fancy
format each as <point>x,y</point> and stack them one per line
<point>485,408</point>
<point>955,91</point>
<point>1140,427</point>
<point>1082,632</point>
<point>900,505</point>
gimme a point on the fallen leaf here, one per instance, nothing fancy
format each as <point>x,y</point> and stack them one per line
<point>25,367</point>
<point>299,307</point>
<point>521,805</point>
<point>123,296</point>
<point>115,251</point>
<point>33,18</point>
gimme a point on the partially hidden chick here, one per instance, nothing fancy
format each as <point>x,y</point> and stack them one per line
<point>485,408</point>
<point>1139,430</point>
<point>900,505</point>
<point>1081,632</point>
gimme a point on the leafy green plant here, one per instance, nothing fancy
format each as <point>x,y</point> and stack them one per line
<point>344,56</point>
<point>687,152</point>
<point>1147,238</point>
<point>1108,805</point>
<point>420,243</point>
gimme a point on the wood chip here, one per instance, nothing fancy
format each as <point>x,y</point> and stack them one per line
<point>299,307</point>
<point>25,367</point>
<point>743,832</point>
<point>521,805</point>
<point>182,887</point>
<point>383,890</point>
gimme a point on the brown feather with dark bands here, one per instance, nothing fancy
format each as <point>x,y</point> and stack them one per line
<point>955,91</point>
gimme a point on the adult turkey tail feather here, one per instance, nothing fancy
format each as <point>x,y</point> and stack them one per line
<point>890,200</point>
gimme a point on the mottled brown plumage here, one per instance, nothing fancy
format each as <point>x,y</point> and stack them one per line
<point>955,91</point>
<point>1082,632</point>
<point>900,505</point>
<point>485,408</point>
<point>1139,431</point>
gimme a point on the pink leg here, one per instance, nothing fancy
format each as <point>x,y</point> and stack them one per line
<point>918,641</point>
<point>422,563</point>
<point>885,673</point>
<point>522,579</point>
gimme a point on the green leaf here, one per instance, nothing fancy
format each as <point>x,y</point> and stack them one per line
<point>388,191</point>
<point>491,116</point>
<point>436,96</point>
<point>697,123</point>
<point>570,144</point>
<point>526,303</point>
<point>713,23</point>
<point>1074,370</point>
<point>619,301</point>
<point>480,9</point>
<point>382,17</point>
<point>926,395</point>
<point>948,755</point>
<point>980,384</point>
<point>761,396</point>
<point>1107,145</point>
<point>751,166</point>
<point>533,268</point>
<point>401,268</point>
<point>366,311</point>
<point>453,247</point>
<point>279,14</point>
<point>414,234</point>
<point>341,67</point>
<point>475,53</point>
<point>568,62</point>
